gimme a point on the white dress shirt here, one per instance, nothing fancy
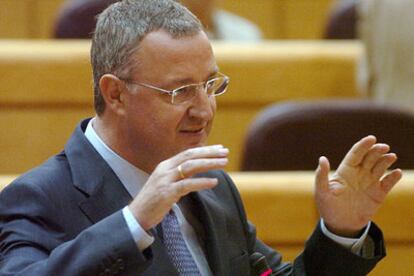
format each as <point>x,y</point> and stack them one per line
<point>133,180</point>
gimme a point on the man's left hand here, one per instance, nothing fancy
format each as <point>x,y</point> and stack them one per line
<point>349,199</point>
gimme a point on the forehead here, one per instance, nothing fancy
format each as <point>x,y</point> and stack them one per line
<point>161,55</point>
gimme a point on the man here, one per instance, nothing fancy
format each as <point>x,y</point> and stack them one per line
<point>136,192</point>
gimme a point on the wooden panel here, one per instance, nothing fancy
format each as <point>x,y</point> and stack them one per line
<point>15,18</point>
<point>263,13</point>
<point>292,19</point>
<point>396,217</point>
<point>272,71</point>
<point>45,71</point>
<point>40,75</point>
<point>399,260</point>
<point>305,19</point>
<point>265,194</point>
<point>32,134</point>
<point>45,13</point>
<point>280,204</point>
<point>298,19</point>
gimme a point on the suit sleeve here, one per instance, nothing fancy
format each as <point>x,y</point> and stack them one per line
<point>32,241</point>
<point>321,255</point>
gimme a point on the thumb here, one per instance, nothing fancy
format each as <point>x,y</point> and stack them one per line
<point>322,175</point>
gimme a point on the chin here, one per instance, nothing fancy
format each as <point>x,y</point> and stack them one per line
<point>193,145</point>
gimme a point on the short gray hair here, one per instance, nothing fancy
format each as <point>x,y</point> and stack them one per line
<point>123,25</point>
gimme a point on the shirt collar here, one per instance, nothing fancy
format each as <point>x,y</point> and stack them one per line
<point>130,176</point>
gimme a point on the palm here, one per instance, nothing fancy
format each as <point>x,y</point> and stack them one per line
<point>349,199</point>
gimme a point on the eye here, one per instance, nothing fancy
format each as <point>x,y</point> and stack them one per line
<point>211,83</point>
<point>188,89</point>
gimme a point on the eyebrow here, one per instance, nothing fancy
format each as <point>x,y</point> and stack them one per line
<point>189,80</point>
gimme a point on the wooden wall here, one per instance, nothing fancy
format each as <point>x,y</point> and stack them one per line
<point>298,19</point>
<point>282,207</point>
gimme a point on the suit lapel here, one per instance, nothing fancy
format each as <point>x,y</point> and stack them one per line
<point>105,195</point>
<point>214,222</point>
<point>104,192</point>
<point>109,197</point>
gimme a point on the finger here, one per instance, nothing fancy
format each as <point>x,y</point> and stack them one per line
<point>322,175</point>
<point>383,164</point>
<point>189,185</point>
<point>371,158</point>
<point>358,151</point>
<point>191,167</point>
<point>213,151</point>
<point>389,181</point>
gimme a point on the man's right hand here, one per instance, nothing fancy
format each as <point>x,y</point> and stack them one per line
<point>166,185</point>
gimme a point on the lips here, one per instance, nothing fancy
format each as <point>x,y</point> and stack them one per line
<point>194,131</point>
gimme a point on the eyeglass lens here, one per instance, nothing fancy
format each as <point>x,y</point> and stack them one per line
<point>213,87</point>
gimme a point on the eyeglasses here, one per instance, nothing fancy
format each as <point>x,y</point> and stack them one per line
<point>213,87</point>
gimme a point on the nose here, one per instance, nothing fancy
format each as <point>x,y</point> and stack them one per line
<point>202,106</point>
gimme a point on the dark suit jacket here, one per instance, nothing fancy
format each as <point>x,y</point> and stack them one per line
<point>64,218</point>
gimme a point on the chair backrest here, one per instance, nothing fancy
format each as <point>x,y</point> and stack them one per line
<point>292,136</point>
<point>342,22</point>
<point>77,18</point>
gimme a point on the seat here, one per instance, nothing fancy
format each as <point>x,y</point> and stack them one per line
<point>77,18</point>
<point>342,22</point>
<point>293,135</point>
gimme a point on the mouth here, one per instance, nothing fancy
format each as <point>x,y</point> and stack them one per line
<point>193,130</point>
<point>194,136</point>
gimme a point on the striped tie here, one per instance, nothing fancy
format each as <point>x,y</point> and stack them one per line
<point>176,247</point>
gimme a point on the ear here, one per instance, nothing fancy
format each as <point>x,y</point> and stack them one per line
<point>112,89</point>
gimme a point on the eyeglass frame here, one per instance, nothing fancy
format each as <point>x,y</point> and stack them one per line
<point>173,92</point>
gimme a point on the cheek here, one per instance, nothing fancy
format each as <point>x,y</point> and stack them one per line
<point>167,119</point>
<point>213,104</point>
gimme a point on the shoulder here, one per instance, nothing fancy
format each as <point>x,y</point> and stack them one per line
<point>224,180</point>
<point>226,191</point>
<point>39,184</point>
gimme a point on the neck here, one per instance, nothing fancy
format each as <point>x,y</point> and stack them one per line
<point>109,134</point>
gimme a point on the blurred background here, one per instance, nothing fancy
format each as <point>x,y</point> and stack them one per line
<point>278,19</point>
<point>297,68</point>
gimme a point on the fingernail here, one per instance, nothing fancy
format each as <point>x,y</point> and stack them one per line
<point>224,151</point>
<point>223,161</point>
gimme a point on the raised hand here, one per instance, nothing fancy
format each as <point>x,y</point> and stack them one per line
<point>171,180</point>
<point>349,199</point>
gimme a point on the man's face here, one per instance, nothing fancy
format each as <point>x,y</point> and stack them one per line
<point>154,129</point>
